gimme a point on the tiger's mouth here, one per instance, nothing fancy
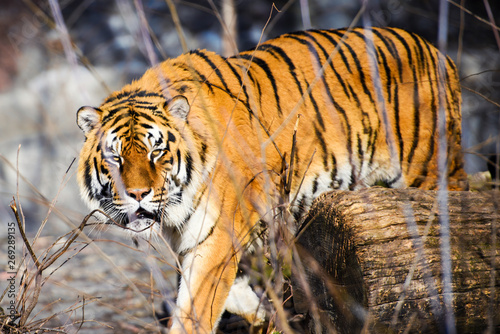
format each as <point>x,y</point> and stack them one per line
<point>144,214</point>
<point>140,220</point>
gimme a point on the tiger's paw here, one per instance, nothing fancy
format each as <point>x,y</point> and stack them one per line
<point>243,301</point>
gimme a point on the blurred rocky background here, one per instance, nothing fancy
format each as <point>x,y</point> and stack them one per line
<point>41,89</point>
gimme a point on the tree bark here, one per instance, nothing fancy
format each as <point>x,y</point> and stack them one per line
<point>370,260</point>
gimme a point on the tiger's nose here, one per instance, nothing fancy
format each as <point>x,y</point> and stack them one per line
<point>138,194</point>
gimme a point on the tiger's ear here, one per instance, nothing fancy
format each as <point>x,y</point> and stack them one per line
<point>179,107</point>
<point>87,118</point>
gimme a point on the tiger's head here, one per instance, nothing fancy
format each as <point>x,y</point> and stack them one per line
<point>135,164</point>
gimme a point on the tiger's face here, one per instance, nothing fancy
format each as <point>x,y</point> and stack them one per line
<point>132,165</point>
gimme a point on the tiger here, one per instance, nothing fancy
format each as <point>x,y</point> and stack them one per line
<point>196,148</point>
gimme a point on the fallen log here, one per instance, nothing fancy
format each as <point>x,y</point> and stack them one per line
<point>371,261</point>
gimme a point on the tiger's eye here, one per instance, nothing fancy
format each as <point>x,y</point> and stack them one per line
<point>156,153</point>
<point>114,159</point>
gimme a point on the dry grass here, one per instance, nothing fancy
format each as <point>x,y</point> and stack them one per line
<point>270,269</point>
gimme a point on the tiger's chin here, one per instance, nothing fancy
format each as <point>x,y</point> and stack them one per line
<point>140,220</point>
<point>140,225</point>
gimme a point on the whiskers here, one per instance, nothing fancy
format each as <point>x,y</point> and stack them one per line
<point>115,214</point>
<point>97,228</point>
<point>144,222</point>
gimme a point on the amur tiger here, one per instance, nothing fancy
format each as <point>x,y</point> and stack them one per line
<point>195,148</point>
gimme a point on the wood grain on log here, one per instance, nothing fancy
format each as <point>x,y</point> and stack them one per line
<point>371,260</point>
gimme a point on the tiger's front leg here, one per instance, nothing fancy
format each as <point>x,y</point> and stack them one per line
<point>208,272</point>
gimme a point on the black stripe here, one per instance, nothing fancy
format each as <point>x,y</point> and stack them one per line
<point>300,208</point>
<point>88,176</point>
<point>327,34</point>
<point>145,125</point>
<point>182,89</point>
<point>97,147</point>
<point>421,59</point>
<point>150,107</point>
<point>352,179</point>
<point>313,51</point>
<point>416,183</point>
<point>203,56</point>
<point>277,51</point>
<point>253,83</point>
<point>458,166</point>
<point>243,86</point>
<point>319,116</point>
<point>265,67</point>
<point>168,162</point>
<point>199,77</point>
<point>203,152</point>
<point>416,103</point>
<point>340,80</point>
<point>179,161</point>
<point>259,91</point>
<point>371,51</point>
<point>326,55</point>
<point>97,172</point>
<point>354,96</point>
<point>117,119</point>
<point>361,154</point>
<point>322,143</point>
<point>146,93</point>
<point>115,130</point>
<point>131,95</point>
<point>140,115</point>
<point>315,185</point>
<point>338,108</point>
<point>176,197</point>
<point>125,112</point>
<point>333,173</point>
<point>111,113</point>
<point>402,40</point>
<point>317,111</point>
<point>149,135</point>
<point>388,74</point>
<point>103,171</point>
<point>451,65</point>
<point>391,182</point>
<point>141,103</point>
<point>170,137</point>
<point>357,63</point>
<point>138,144</point>
<point>347,127</point>
<point>434,106</point>
<point>397,122</point>
<point>373,144</point>
<point>389,44</point>
<point>366,123</point>
<point>189,168</point>
<point>237,74</point>
<point>416,118</point>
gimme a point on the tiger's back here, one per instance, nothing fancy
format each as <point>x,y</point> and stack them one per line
<point>197,147</point>
<point>395,78</point>
<point>369,113</point>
